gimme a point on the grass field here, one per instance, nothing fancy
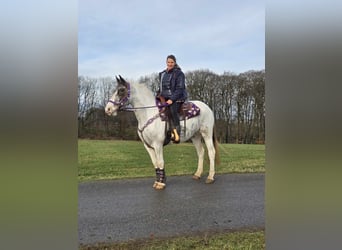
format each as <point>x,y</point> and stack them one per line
<point>115,159</point>
<point>230,241</point>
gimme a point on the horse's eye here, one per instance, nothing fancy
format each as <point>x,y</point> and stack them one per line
<point>121,91</point>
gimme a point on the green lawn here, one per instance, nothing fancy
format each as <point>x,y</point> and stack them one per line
<point>230,241</point>
<point>115,159</point>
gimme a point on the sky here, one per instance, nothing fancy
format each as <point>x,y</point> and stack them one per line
<point>132,38</point>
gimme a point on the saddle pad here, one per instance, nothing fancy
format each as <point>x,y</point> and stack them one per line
<point>188,108</point>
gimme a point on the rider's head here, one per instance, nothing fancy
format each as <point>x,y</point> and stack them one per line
<point>171,62</point>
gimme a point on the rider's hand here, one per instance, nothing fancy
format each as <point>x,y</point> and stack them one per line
<point>169,102</point>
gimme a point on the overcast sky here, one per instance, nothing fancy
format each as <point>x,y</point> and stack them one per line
<point>133,37</point>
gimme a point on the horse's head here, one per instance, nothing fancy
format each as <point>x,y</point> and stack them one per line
<point>119,98</point>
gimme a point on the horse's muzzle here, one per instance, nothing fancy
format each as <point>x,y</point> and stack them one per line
<point>110,110</point>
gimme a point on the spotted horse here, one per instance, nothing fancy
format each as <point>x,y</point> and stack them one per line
<point>151,128</point>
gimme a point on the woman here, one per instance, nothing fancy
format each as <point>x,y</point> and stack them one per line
<point>172,91</point>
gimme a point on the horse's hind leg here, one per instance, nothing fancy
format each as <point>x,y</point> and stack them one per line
<point>211,153</point>
<point>196,140</point>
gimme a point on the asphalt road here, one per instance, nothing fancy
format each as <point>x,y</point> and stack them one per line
<point>122,210</point>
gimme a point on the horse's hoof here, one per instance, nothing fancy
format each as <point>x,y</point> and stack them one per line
<point>195,177</point>
<point>159,185</point>
<point>209,181</point>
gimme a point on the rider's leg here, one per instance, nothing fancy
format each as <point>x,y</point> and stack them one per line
<point>175,122</point>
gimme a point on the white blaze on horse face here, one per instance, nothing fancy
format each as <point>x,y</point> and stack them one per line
<point>110,108</point>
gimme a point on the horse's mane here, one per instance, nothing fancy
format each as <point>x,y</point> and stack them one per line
<point>144,90</point>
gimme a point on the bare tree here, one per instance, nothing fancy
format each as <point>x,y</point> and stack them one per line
<point>105,90</point>
<point>225,104</point>
<point>250,102</point>
<point>152,81</point>
<point>238,103</point>
<point>86,99</point>
<point>258,92</point>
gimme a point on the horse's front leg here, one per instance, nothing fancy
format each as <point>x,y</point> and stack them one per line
<point>156,155</point>
<point>160,182</point>
<point>152,154</point>
<point>153,157</point>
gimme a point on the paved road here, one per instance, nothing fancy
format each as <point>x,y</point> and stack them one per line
<point>131,209</point>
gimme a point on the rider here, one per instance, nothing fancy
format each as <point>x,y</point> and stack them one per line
<point>172,89</point>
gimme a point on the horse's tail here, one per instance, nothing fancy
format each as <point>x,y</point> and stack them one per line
<point>217,154</point>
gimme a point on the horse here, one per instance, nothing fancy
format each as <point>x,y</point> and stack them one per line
<point>151,128</point>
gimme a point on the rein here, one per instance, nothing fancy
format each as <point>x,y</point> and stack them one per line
<point>144,107</point>
<point>125,99</point>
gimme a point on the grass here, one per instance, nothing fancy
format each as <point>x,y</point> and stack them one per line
<point>115,159</point>
<point>234,240</point>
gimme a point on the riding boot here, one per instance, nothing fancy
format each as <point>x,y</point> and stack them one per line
<point>175,134</point>
<point>178,130</point>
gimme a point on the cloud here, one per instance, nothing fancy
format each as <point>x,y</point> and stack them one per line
<point>134,37</point>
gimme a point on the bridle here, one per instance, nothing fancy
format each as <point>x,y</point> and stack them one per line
<point>124,99</point>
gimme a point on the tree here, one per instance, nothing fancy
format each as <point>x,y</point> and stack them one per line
<point>226,91</point>
<point>86,100</point>
<point>237,100</point>
<point>106,89</point>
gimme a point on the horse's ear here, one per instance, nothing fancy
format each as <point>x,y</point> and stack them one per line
<point>117,79</point>
<point>123,81</point>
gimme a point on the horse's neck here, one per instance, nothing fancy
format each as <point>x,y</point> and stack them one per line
<point>142,98</point>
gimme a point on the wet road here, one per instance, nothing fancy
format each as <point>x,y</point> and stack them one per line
<point>122,210</point>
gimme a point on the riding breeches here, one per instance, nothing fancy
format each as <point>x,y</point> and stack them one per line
<point>174,107</point>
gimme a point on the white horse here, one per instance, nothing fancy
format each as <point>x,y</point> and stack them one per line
<point>151,128</point>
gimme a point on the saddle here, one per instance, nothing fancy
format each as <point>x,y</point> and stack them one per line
<point>186,110</point>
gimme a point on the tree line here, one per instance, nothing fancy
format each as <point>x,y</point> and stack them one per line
<point>237,100</point>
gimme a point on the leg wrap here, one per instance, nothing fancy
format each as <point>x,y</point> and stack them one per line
<point>160,179</point>
<point>160,175</point>
<point>157,174</point>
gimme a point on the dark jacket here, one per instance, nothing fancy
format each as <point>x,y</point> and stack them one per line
<point>172,85</point>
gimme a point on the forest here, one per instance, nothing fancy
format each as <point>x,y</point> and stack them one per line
<point>237,100</point>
